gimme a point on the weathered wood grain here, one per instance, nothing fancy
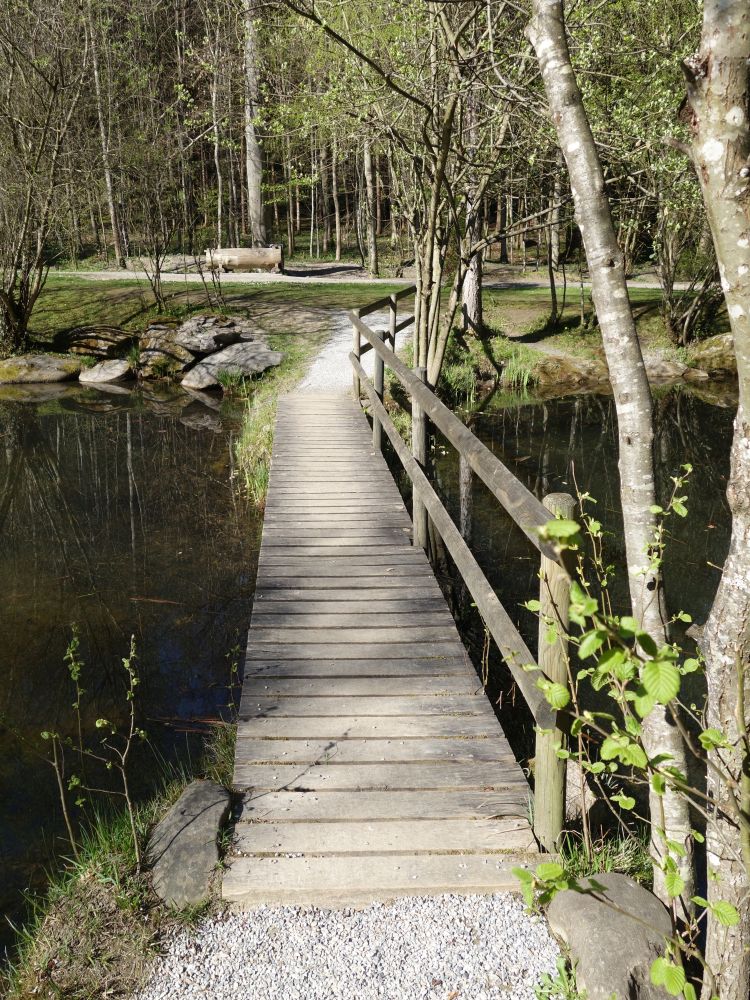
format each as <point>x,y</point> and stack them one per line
<point>364,738</point>
<point>387,837</point>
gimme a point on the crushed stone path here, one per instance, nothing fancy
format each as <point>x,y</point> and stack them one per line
<point>416,948</point>
<point>331,370</point>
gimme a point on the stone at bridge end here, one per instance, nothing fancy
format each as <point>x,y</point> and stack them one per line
<point>183,848</point>
<point>613,936</point>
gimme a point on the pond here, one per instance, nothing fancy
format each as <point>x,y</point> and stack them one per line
<point>568,445</point>
<point>118,513</point>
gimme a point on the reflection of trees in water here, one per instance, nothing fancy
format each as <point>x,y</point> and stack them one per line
<point>125,522</point>
<point>554,445</point>
<point>104,517</point>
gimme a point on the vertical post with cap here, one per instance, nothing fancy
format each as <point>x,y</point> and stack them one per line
<point>549,770</point>
<point>378,380</point>
<point>419,451</point>
<point>356,353</point>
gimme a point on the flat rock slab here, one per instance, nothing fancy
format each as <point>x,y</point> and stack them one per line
<point>96,341</point>
<point>107,371</point>
<point>160,355</point>
<point>38,368</point>
<point>183,849</point>
<point>246,358</point>
<point>614,932</point>
<point>206,334</point>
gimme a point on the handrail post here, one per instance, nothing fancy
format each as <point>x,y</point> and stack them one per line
<point>378,381</point>
<point>392,320</point>
<point>419,451</point>
<point>356,347</point>
<point>549,770</point>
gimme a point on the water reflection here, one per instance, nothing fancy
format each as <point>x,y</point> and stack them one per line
<point>568,445</point>
<point>117,511</point>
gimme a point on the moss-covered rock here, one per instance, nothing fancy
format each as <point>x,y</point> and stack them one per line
<point>555,369</point>
<point>716,356</point>
<point>39,368</point>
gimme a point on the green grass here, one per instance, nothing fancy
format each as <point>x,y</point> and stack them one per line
<point>253,449</point>
<point>67,301</point>
<point>97,928</point>
<point>628,855</point>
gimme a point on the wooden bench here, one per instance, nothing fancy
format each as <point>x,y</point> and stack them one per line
<point>246,259</point>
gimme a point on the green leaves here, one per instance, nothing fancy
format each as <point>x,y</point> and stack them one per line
<point>723,911</point>
<point>670,976</point>
<point>661,680</point>
<point>713,739</point>
<point>591,643</point>
<point>557,695</point>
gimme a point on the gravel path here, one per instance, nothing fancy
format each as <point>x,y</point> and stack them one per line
<point>331,371</point>
<point>417,948</point>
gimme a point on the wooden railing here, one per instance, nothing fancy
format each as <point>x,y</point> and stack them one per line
<point>523,507</point>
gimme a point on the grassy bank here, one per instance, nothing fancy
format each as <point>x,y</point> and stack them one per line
<point>67,301</point>
<point>253,449</point>
<point>97,928</point>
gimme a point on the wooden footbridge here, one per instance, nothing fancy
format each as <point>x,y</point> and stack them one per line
<point>371,761</point>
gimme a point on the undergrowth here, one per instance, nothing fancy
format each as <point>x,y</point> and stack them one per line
<point>627,854</point>
<point>97,928</point>
<point>253,449</point>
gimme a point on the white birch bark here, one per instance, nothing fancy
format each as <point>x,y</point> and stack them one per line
<point>253,151</point>
<point>718,93</point>
<point>546,31</point>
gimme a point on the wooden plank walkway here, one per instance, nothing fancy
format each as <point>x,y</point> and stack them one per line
<point>371,761</point>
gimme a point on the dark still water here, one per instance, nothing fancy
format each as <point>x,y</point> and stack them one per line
<point>117,513</point>
<point>565,444</point>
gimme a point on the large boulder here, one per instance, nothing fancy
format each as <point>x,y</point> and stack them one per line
<point>207,334</point>
<point>107,371</point>
<point>160,355</point>
<point>95,341</point>
<point>661,370</point>
<point>38,368</point>
<point>245,359</point>
<point>555,369</point>
<point>614,931</point>
<point>716,355</point>
<point>183,848</point>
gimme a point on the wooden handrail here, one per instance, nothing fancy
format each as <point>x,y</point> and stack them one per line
<point>383,303</point>
<point>528,513</point>
<point>509,641</point>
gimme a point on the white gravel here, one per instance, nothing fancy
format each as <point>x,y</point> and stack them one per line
<point>440,947</point>
<point>331,371</point>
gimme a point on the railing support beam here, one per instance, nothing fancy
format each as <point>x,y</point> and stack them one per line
<point>378,380</point>
<point>552,658</point>
<point>419,451</point>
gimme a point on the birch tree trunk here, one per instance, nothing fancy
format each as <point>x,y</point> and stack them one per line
<point>336,204</point>
<point>627,374</point>
<point>104,138</point>
<point>718,93</point>
<point>253,151</point>
<point>370,210</point>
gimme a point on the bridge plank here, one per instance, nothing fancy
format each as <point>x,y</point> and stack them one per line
<point>364,730</point>
<point>491,748</point>
<point>388,837</point>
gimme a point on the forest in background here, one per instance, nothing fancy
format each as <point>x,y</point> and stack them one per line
<point>138,130</point>
<point>618,130</point>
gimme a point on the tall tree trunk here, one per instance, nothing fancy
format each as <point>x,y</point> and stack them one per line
<point>718,92</point>
<point>217,145</point>
<point>253,151</point>
<point>370,209</point>
<point>336,204</point>
<point>555,226</point>
<point>325,197</point>
<point>104,139</point>
<point>632,396</point>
